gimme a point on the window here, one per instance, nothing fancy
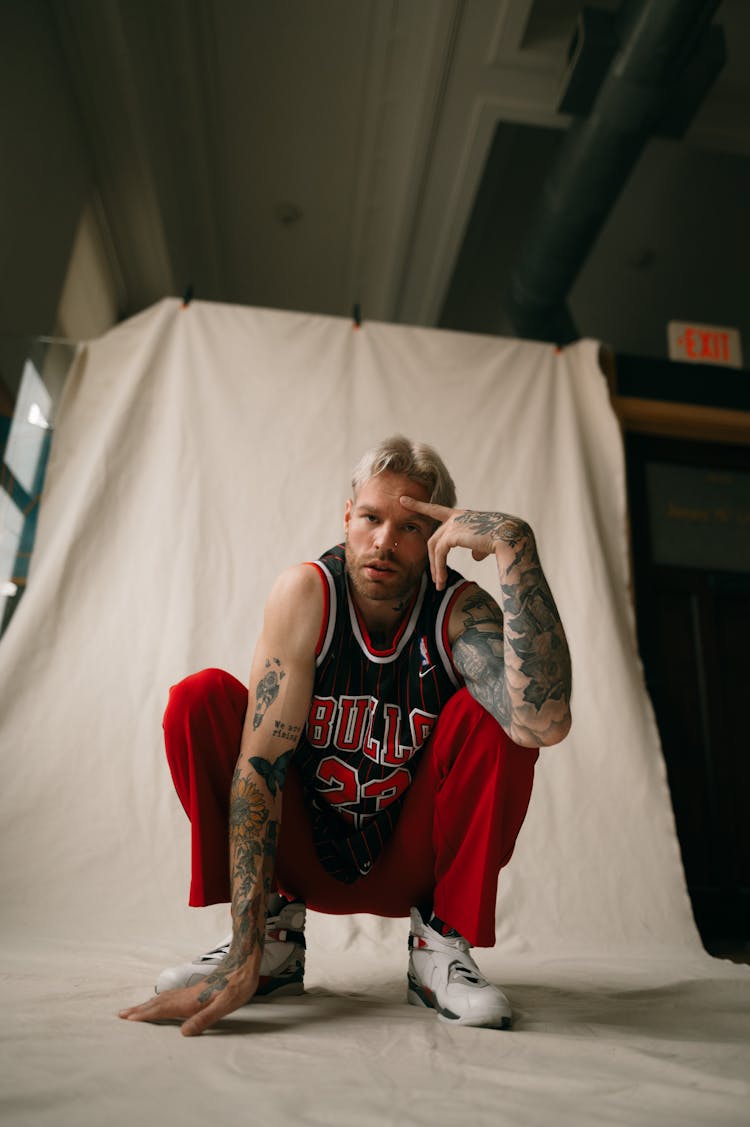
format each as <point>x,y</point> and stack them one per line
<point>22,473</point>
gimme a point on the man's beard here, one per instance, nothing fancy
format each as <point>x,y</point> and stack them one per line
<point>404,582</point>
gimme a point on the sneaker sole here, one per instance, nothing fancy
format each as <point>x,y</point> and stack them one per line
<point>418,996</point>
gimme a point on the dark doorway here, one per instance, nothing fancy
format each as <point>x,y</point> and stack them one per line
<point>690,517</point>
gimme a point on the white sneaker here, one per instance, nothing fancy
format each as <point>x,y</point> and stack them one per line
<point>443,976</point>
<point>282,967</point>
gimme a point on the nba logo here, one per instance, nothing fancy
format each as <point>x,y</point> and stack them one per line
<point>424,652</point>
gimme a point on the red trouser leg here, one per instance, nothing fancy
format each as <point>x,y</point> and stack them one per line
<point>202,730</point>
<point>458,826</point>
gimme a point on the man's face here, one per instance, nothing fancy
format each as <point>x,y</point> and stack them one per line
<point>386,544</point>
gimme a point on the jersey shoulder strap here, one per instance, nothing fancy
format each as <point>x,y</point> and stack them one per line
<point>330,568</point>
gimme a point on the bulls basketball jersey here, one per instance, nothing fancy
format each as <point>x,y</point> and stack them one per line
<point>372,711</point>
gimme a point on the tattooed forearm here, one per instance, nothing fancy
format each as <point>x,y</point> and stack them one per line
<point>237,955</point>
<point>517,665</point>
<point>536,637</point>
<point>546,663</point>
<point>267,689</point>
<point>249,816</point>
<point>253,834</point>
<point>248,920</point>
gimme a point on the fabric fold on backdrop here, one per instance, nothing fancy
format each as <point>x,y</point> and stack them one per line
<point>198,452</point>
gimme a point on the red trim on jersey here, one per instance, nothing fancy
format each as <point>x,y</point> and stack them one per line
<point>399,635</point>
<point>446,624</point>
<point>326,607</point>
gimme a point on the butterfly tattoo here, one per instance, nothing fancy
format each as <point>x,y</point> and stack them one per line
<point>272,774</point>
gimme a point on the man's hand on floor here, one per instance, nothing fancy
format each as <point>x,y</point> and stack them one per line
<point>201,1006</point>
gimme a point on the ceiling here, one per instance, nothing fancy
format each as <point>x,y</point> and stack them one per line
<point>314,154</point>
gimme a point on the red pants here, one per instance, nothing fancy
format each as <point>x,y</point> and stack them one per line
<point>458,826</point>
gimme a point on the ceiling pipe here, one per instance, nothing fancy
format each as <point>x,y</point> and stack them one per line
<point>657,39</point>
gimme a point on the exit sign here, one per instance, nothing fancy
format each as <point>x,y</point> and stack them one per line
<point>704,344</point>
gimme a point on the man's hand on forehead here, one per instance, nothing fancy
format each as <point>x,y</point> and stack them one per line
<point>479,532</point>
<point>439,513</point>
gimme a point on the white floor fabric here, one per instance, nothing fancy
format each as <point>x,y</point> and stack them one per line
<point>198,451</point>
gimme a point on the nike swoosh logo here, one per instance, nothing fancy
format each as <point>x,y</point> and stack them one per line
<point>424,672</point>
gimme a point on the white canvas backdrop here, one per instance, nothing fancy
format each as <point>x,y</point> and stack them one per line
<point>198,452</point>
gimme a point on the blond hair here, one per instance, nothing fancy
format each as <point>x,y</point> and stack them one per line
<point>415,460</point>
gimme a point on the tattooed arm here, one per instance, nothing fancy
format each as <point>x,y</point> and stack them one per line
<point>514,657</point>
<point>281,683</point>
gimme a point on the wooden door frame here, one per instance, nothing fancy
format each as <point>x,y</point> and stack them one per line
<point>653,416</point>
<point>672,418</point>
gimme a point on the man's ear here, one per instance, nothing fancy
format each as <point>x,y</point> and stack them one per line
<point>348,514</point>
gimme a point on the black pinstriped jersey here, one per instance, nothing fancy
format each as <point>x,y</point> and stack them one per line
<point>371,713</point>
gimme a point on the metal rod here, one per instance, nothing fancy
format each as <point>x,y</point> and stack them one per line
<point>597,156</point>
